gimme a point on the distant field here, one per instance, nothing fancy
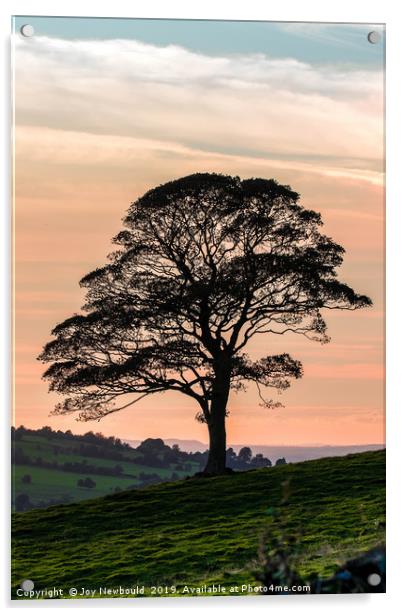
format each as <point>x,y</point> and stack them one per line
<point>204,531</point>
<point>53,484</point>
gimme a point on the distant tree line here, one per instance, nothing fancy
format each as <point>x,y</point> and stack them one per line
<point>102,445</point>
<point>96,438</point>
<point>245,460</point>
<point>155,450</point>
<point>152,452</point>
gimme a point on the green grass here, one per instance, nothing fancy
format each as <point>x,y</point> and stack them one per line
<point>203,531</point>
<point>51,484</point>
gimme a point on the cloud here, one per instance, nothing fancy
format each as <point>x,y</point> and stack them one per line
<point>133,60</point>
<point>252,105</point>
<point>81,148</point>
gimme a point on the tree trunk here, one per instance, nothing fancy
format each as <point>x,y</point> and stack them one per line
<point>216,463</point>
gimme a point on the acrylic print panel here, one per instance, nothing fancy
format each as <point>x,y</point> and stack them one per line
<point>199,252</point>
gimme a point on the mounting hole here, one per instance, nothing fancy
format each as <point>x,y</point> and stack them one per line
<point>27,30</point>
<point>27,585</point>
<point>374,37</point>
<point>374,579</point>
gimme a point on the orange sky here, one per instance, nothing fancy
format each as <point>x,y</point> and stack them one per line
<point>92,136</point>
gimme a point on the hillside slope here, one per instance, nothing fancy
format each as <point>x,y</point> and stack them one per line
<point>203,531</point>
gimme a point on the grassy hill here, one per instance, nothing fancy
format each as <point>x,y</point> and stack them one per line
<point>203,531</point>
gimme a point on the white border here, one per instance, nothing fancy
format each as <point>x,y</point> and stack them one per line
<point>368,11</point>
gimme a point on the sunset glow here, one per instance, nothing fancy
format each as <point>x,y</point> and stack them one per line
<point>100,121</point>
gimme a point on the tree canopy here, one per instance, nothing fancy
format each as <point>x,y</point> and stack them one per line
<point>204,264</point>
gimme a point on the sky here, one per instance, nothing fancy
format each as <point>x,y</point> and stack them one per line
<point>106,109</point>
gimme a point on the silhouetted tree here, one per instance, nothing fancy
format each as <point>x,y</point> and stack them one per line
<point>46,431</point>
<point>244,455</point>
<point>204,264</point>
<point>280,461</point>
<point>259,461</point>
<point>230,457</point>
<point>153,446</point>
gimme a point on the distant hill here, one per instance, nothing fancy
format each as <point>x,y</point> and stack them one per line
<point>184,444</point>
<point>273,452</point>
<point>205,531</point>
<point>301,453</point>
